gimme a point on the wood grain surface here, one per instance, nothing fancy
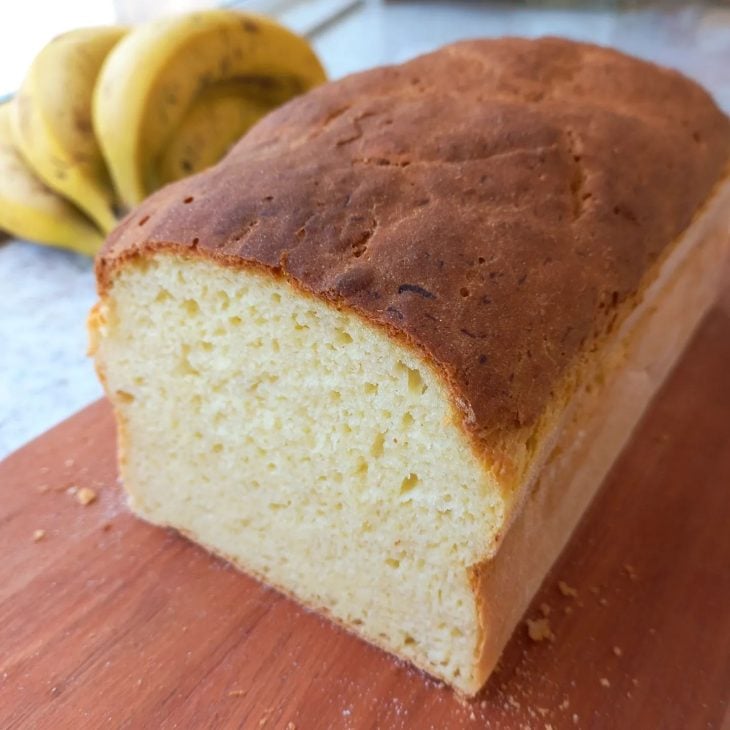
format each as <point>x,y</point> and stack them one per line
<point>106,621</point>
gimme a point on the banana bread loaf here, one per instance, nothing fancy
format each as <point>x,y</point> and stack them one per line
<point>382,355</point>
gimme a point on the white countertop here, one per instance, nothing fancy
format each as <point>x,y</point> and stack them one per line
<point>45,294</point>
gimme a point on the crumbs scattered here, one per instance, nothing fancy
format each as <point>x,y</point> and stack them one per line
<point>617,650</point>
<point>545,609</point>
<point>631,571</point>
<point>567,590</point>
<point>291,726</point>
<point>85,496</point>
<point>69,463</point>
<point>42,488</point>
<point>539,629</point>
<point>237,693</point>
<point>38,535</point>
<point>605,682</point>
<point>564,704</point>
<point>603,601</point>
<point>575,718</point>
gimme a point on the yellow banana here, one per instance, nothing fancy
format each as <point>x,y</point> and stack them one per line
<point>216,119</point>
<point>30,210</point>
<point>52,124</point>
<point>150,79</point>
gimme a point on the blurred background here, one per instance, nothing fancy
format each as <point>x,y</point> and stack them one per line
<point>46,293</point>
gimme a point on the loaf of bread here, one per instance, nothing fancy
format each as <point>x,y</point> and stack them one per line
<point>382,355</point>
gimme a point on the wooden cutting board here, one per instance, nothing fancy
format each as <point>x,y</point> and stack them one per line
<point>109,622</point>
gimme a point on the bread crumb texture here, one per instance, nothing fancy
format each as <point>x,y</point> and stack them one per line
<point>86,496</point>
<point>539,629</point>
<point>362,494</point>
<point>567,590</point>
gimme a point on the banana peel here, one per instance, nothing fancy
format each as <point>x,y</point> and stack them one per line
<point>151,78</point>
<point>216,119</point>
<point>105,116</point>
<point>31,210</point>
<point>51,120</point>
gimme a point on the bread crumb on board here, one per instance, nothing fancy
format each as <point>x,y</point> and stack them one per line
<point>617,650</point>
<point>291,726</point>
<point>631,571</point>
<point>545,609</point>
<point>85,496</point>
<point>38,535</point>
<point>567,590</point>
<point>539,629</point>
<point>604,682</point>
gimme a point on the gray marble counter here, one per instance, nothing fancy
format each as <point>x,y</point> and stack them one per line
<point>45,294</point>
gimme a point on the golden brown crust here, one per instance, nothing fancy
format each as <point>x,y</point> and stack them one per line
<point>494,203</point>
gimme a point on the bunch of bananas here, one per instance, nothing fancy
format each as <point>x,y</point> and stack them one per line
<point>107,115</point>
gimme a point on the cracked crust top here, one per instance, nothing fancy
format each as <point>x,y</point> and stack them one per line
<point>494,203</point>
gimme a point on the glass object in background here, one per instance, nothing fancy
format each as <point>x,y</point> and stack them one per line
<point>137,11</point>
<point>693,37</point>
<point>28,25</point>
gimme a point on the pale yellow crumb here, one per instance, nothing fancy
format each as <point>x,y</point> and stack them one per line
<point>545,609</point>
<point>85,495</point>
<point>291,726</point>
<point>605,682</point>
<point>575,718</point>
<point>567,590</point>
<point>38,535</point>
<point>42,488</point>
<point>617,650</point>
<point>237,693</point>
<point>564,704</point>
<point>539,629</point>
